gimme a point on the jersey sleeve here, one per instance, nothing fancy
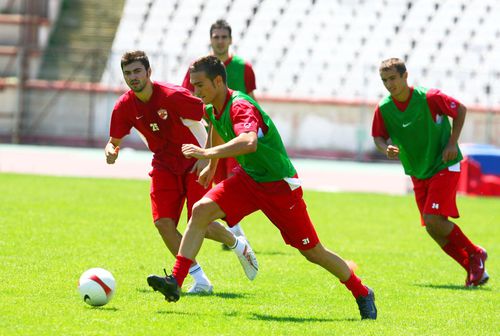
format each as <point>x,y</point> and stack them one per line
<point>440,103</point>
<point>249,78</point>
<point>120,125</point>
<point>187,105</point>
<point>245,117</point>
<point>378,125</point>
<point>186,82</point>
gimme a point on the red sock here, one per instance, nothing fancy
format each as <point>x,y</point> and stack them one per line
<point>181,269</point>
<point>355,286</point>
<point>457,238</point>
<point>458,254</point>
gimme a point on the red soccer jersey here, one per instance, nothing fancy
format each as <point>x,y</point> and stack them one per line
<point>439,104</point>
<point>162,123</point>
<point>249,77</point>
<point>244,116</point>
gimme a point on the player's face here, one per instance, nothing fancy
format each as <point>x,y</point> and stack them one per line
<point>393,81</point>
<point>205,88</point>
<point>136,76</point>
<point>220,41</point>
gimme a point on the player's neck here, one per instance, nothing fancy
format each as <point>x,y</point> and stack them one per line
<point>223,57</point>
<point>219,100</point>
<point>403,95</point>
<point>146,93</point>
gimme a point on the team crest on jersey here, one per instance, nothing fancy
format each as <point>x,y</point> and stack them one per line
<point>453,105</point>
<point>163,114</point>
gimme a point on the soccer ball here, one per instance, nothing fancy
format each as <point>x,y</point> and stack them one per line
<point>96,286</point>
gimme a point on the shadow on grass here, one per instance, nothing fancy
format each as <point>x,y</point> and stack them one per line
<point>271,253</point>
<point>453,287</point>
<point>111,309</point>
<point>184,294</point>
<point>297,319</point>
<point>170,312</point>
<point>230,295</point>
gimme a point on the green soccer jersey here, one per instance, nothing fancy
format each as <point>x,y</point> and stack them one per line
<point>269,162</point>
<point>235,71</point>
<point>420,139</point>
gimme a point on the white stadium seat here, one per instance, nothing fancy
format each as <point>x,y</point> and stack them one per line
<point>326,48</point>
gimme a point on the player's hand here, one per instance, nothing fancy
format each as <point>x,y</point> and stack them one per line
<point>450,152</point>
<point>193,151</point>
<point>199,166</point>
<point>111,153</point>
<point>392,152</point>
<point>206,176</point>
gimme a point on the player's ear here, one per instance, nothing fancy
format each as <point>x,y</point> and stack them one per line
<point>405,75</point>
<point>218,80</point>
<point>149,72</point>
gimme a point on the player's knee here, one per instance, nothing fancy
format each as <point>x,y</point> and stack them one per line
<point>431,221</point>
<point>204,209</point>
<point>435,225</point>
<point>165,224</point>
<point>314,255</point>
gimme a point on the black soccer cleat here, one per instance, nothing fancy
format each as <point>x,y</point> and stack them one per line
<point>366,306</point>
<point>166,285</point>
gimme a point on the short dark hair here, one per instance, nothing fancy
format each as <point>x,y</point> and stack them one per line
<point>395,63</point>
<point>220,24</point>
<point>135,56</point>
<point>211,65</point>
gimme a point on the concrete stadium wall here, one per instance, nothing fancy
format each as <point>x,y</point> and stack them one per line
<point>79,115</point>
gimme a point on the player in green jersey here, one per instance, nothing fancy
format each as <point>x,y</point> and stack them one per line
<point>412,124</point>
<point>266,181</point>
<point>240,77</point>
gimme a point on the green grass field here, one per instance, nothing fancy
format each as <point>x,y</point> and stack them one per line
<point>52,229</point>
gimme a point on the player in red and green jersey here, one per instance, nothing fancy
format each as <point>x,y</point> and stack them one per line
<point>167,116</point>
<point>266,180</point>
<point>412,124</point>
<point>240,77</point>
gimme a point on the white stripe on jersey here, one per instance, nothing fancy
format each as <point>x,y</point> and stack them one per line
<point>197,129</point>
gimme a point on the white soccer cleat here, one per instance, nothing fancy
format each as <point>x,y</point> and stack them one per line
<point>248,260</point>
<point>200,288</point>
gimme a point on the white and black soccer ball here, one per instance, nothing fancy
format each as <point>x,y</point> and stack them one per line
<point>96,286</point>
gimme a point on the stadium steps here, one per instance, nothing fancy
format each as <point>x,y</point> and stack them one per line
<point>81,40</point>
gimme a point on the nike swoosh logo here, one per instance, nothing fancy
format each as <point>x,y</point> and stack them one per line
<point>406,125</point>
<point>481,266</point>
<point>139,117</point>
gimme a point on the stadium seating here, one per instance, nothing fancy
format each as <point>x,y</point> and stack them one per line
<point>327,48</point>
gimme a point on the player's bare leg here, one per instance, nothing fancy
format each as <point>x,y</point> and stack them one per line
<point>365,298</point>
<point>438,228</point>
<point>204,213</point>
<point>452,240</point>
<point>220,233</point>
<point>328,260</point>
<point>172,239</point>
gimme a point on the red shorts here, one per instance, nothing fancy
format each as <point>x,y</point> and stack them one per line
<point>224,169</point>
<point>169,192</point>
<point>239,196</point>
<point>437,194</point>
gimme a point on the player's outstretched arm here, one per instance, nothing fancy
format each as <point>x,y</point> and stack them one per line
<point>111,150</point>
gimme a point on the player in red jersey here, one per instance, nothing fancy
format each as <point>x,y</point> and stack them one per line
<point>167,116</point>
<point>265,180</point>
<point>412,124</point>
<point>240,77</point>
